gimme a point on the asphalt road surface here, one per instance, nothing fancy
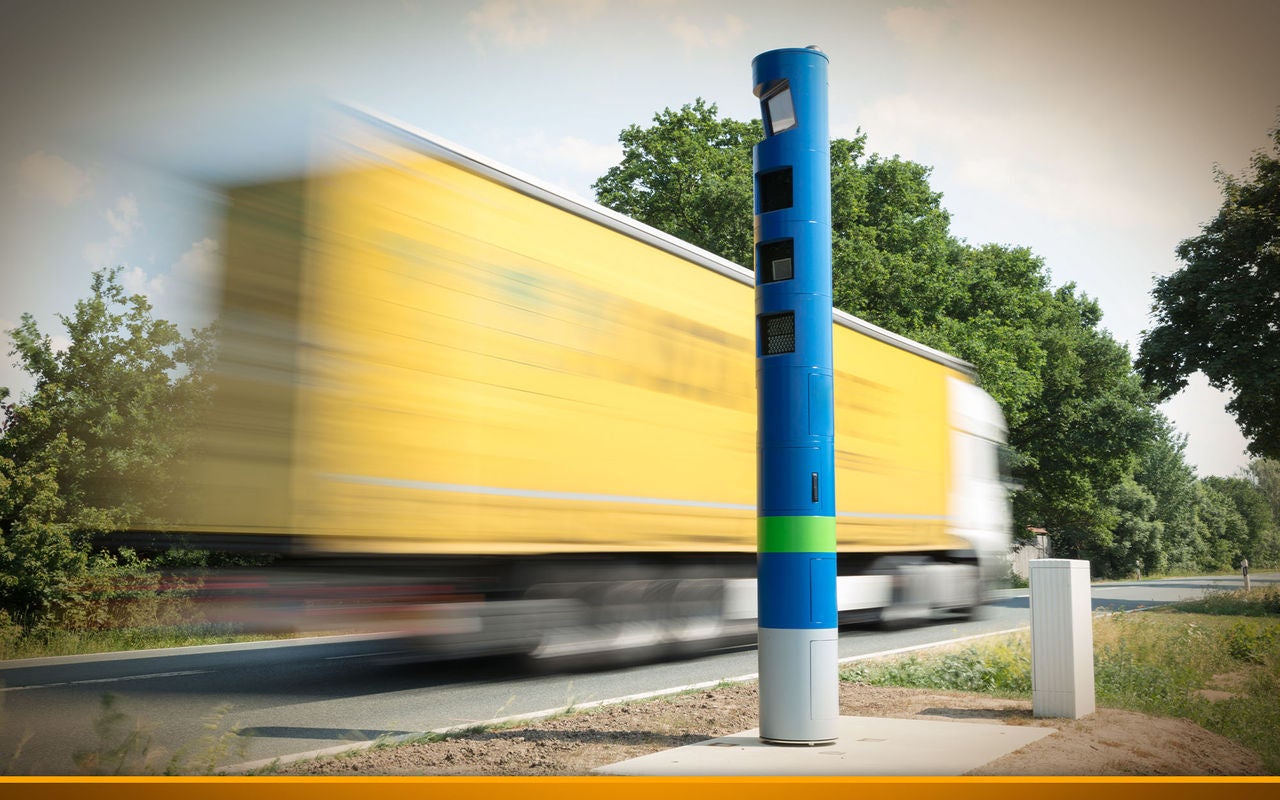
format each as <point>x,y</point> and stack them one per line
<point>296,696</point>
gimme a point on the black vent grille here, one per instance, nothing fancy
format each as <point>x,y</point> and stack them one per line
<point>778,333</point>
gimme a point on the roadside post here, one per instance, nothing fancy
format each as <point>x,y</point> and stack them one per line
<point>1244,567</point>
<point>796,524</point>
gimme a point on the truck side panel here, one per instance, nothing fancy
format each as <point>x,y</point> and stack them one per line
<point>487,373</point>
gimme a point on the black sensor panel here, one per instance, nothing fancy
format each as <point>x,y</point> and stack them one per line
<point>775,190</point>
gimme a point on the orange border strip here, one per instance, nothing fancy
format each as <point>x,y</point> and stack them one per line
<point>622,788</point>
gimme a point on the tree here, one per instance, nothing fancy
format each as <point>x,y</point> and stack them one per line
<point>891,245</point>
<point>1252,501</point>
<point>1135,537</point>
<point>1220,314</point>
<point>995,320</point>
<point>38,554</point>
<point>1085,432</point>
<point>690,176</point>
<point>894,262</point>
<point>1078,415</point>
<point>1221,533</point>
<point>1265,474</point>
<point>91,448</point>
<point>1163,471</point>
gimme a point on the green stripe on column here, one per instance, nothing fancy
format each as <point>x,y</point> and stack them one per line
<point>796,534</point>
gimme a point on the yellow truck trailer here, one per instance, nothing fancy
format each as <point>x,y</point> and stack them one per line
<point>543,413</point>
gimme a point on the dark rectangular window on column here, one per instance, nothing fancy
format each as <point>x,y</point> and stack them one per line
<point>775,261</point>
<point>774,190</point>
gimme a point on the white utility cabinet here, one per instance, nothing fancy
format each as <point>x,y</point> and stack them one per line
<point>1061,639</point>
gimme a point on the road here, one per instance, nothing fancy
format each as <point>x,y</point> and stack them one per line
<point>294,696</point>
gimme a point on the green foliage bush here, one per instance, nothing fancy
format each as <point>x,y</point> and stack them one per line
<point>1249,641</point>
<point>1003,668</point>
<point>1128,678</point>
<point>121,591</point>
<point>10,634</point>
<point>90,451</point>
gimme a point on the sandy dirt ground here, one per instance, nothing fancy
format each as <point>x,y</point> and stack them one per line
<point>1108,742</point>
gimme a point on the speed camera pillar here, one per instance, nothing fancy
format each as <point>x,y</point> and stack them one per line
<point>796,524</point>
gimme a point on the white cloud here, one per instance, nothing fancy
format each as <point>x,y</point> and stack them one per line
<point>524,24</point>
<point>699,37</point>
<point>185,293</point>
<point>99,254</point>
<point>53,178</point>
<point>192,276</point>
<point>1033,160</point>
<point>508,23</point>
<point>135,280</point>
<point>198,267</point>
<point>124,219</point>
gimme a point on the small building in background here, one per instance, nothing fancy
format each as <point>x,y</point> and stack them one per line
<point>1021,555</point>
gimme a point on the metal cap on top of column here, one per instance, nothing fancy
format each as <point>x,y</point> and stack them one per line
<point>796,531</point>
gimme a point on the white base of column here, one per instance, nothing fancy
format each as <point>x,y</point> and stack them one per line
<point>799,685</point>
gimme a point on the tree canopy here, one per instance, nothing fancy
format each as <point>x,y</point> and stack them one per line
<point>1102,471</point>
<point>1220,313</point>
<point>690,175</point>
<point>89,449</point>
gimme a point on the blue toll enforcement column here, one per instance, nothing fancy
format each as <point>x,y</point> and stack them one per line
<point>796,525</point>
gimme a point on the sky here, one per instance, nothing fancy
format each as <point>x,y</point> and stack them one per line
<point>1088,131</point>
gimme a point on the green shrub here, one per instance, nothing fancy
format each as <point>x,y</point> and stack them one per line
<point>10,635</point>
<point>120,592</point>
<point>1251,642</point>
<point>1003,668</point>
<point>1126,677</point>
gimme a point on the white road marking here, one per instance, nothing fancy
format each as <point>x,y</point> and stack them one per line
<point>199,649</point>
<point>366,655</point>
<point>105,680</point>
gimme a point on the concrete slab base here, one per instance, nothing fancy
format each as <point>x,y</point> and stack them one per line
<point>866,746</point>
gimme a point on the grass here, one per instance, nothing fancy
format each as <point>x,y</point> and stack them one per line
<point>1261,602</point>
<point>1158,663</point>
<point>51,642</point>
